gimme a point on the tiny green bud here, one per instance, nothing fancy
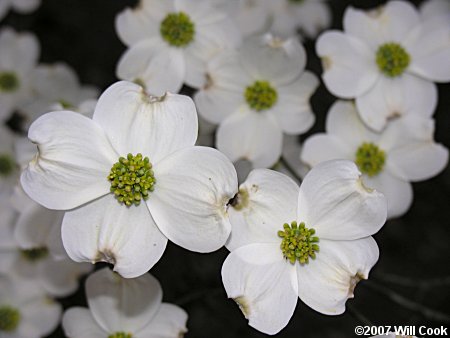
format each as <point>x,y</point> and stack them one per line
<point>9,82</point>
<point>370,159</point>
<point>120,335</point>
<point>392,59</point>
<point>9,318</point>
<point>177,29</point>
<point>297,243</point>
<point>260,95</point>
<point>35,254</point>
<point>6,164</point>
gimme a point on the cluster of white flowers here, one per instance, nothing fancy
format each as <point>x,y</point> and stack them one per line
<point>113,177</point>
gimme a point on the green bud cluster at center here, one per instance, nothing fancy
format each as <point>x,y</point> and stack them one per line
<point>260,95</point>
<point>120,335</point>
<point>298,243</point>
<point>132,179</point>
<point>392,59</point>
<point>8,82</point>
<point>6,164</point>
<point>9,318</point>
<point>35,254</point>
<point>370,159</point>
<point>177,29</point>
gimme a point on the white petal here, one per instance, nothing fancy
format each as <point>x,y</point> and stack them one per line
<point>278,62</point>
<point>264,285</point>
<point>39,317</point>
<point>72,164</point>
<point>78,322</point>
<point>394,97</point>
<point>216,104</point>
<point>266,200</point>
<point>170,321</point>
<point>334,201</point>
<point>105,230</point>
<point>313,16</point>
<point>138,123</point>
<point>190,199</point>
<point>122,305</point>
<point>250,135</point>
<point>324,147</point>
<point>25,6</point>
<point>429,47</point>
<point>388,23</point>
<point>349,65</point>
<point>398,193</point>
<point>326,282</point>
<point>293,109</point>
<point>433,8</point>
<point>134,25</point>
<point>19,51</point>
<point>152,62</point>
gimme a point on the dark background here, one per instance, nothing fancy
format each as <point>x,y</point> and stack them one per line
<point>410,285</point>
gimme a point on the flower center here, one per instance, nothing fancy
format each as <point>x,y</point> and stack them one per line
<point>8,82</point>
<point>370,159</point>
<point>261,95</point>
<point>298,242</point>
<point>6,165</point>
<point>35,254</point>
<point>120,335</point>
<point>132,179</point>
<point>9,318</point>
<point>392,59</point>
<point>177,29</point>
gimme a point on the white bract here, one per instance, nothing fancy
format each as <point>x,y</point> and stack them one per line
<point>20,6</point>
<point>256,94</point>
<point>25,311</point>
<point>170,42</point>
<point>404,152</point>
<point>311,242</point>
<point>19,53</point>
<point>124,308</point>
<point>310,17</point>
<point>433,8</point>
<point>386,59</point>
<point>131,178</point>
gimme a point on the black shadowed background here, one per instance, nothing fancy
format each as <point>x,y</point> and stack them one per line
<point>410,285</point>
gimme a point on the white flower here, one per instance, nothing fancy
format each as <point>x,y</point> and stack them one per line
<point>57,84</point>
<point>25,312</point>
<point>387,59</point>
<point>170,41</point>
<point>311,242</point>
<point>123,308</point>
<point>256,94</point>
<point>308,16</point>
<point>89,168</point>
<point>405,151</point>
<point>20,6</point>
<point>19,53</point>
<point>434,8</point>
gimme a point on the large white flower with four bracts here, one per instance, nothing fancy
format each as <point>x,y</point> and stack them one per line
<point>311,242</point>
<point>170,42</point>
<point>387,59</point>
<point>255,95</point>
<point>404,152</point>
<point>130,179</point>
<point>124,308</point>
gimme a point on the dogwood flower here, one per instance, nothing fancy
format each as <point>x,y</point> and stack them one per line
<point>124,308</point>
<point>308,16</point>
<point>170,42</point>
<point>311,242</point>
<point>19,53</point>
<point>131,178</point>
<point>256,94</point>
<point>25,311</point>
<point>20,6</point>
<point>57,84</point>
<point>432,8</point>
<point>405,151</point>
<point>386,59</point>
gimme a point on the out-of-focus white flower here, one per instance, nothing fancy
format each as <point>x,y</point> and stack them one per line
<point>387,58</point>
<point>8,166</point>
<point>136,148</point>
<point>311,242</point>
<point>405,151</point>
<point>310,17</point>
<point>20,6</point>
<point>124,308</point>
<point>19,53</point>
<point>433,8</point>
<point>255,95</point>
<point>57,84</point>
<point>291,164</point>
<point>170,42</point>
<point>25,311</point>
